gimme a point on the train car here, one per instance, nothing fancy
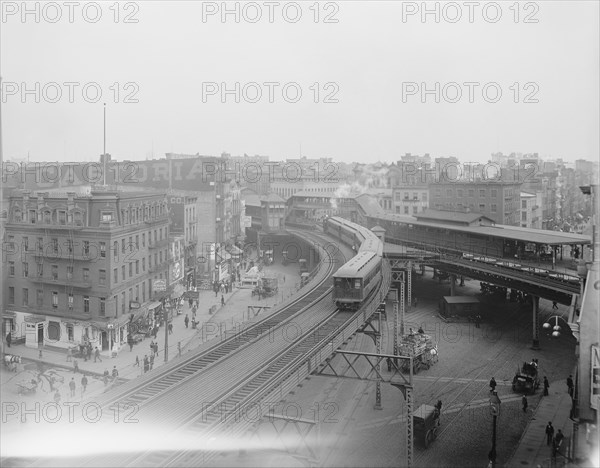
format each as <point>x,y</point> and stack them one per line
<point>349,233</point>
<point>354,282</point>
<point>565,277</point>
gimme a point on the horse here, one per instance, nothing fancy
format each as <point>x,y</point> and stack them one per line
<point>11,361</point>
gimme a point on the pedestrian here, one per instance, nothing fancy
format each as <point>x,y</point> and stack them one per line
<point>152,347</point>
<point>84,382</point>
<point>170,328</point>
<point>69,354</point>
<point>421,331</point>
<point>97,355</point>
<point>151,361</point>
<point>115,372</point>
<point>284,278</point>
<point>416,301</point>
<point>40,355</point>
<point>546,387</point>
<point>554,305</point>
<point>137,361</point>
<point>89,353</point>
<point>549,433</point>
<point>8,339</point>
<point>524,403</point>
<point>222,300</point>
<point>557,442</point>
<point>570,385</point>
<point>492,385</point>
<point>146,364</point>
<point>186,320</point>
<point>72,386</point>
<point>75,366</point>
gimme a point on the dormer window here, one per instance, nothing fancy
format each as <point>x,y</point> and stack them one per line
<point>107,216</point>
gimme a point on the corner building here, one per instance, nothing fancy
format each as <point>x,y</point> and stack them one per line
<point>81,265</point>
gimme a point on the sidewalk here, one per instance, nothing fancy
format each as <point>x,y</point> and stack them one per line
<point>533,451</point>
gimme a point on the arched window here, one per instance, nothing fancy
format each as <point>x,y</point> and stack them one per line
<point>18,216</point>
<point>47,217</point>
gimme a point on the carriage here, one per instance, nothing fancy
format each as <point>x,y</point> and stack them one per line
<point>526,379</point>
<point>421,348</point>
<point>426,422</point>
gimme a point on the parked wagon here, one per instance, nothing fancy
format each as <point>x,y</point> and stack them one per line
<point>426,422</point>
<point>421,348</point>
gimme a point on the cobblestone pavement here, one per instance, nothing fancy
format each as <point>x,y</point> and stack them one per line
<point>348,431</point>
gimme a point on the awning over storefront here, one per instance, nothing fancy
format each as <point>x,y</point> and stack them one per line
<point>31,318</point>
<point>178,290</point>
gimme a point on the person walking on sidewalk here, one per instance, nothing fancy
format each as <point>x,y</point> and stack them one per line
<point>546,387</point>
<point>524,403</point>
<point>570,385</point>
<point>493,385</point>
<point>115,372</point>
<point>97,355</point>
<point>170,328</point>
<point>75,366</point>
<point>105,376</point>
<point>151,361</point>
<point>8,339</point>
<point>69,354</point>
<point>84,382</point>
<point>554,305</point>
<point>137,361</point>
<point>72,386</point>
<point>146,364</point>
<point>557,442</point>
<point>222,300</point>
<point>549,433</point>
<point>186,320</point>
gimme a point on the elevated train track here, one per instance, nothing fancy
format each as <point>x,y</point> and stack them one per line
<point>198,394</point>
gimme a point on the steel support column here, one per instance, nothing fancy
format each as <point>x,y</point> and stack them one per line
<point>378,351</point>
<point>535,312</point>
<point>402,308</point>
<point>396,325</point>
<point>409,285</point>
<point>452,285</point>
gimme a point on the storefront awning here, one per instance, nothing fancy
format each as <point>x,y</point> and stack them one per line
<point>178,290</point>
<point>31,318</point>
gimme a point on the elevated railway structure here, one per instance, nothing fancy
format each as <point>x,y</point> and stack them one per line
<point>199,398</point>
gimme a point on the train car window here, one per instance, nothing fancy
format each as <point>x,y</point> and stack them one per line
<point>356,284</point>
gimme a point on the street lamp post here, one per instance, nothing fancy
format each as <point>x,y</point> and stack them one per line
<point>495,412</point>
<point>556,328</point>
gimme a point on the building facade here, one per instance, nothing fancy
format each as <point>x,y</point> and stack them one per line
<point>82,263</point>
<point>497,200</point>
<point>531,210</point>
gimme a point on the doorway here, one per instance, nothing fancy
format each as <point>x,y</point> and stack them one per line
<point>40,333</point>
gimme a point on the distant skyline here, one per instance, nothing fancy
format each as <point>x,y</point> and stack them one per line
<point>369,61</point>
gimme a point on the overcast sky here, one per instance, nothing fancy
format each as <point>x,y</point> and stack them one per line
<point>368,57</point>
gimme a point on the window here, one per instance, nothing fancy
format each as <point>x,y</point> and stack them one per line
<point>32,216</point>
<point>494,193</point>
<point>70,333</point>
<point>459,192</point>
<point>86,248</point>
<point>107,216</point>
<point>482,207</point>
<point>123,245</point>
<point>47,217</point>
<point>86,274</point>
<point>70,246</point>
<point>143,292</point>
<point>115,250</point>
<point>130,244</point>
<point>40,244</point>
<point>55,299</point>
<point>116,301</point>
<point>524,204</point>
<point>11,295</point>
<point>11,268</point>
<point>524,216</point>
<point>494,208</point>
<point>144,239</point>
<point>482,192</point>
<point>415,209</point>
<point>25,269</point>
<point>137,267</point>
<point>62,217</point>
<point>415,196</point>
<point>70,301</point>
<point>471,192</point>
<point>40,269</point>
<point>55,245</point>
<point>102,306</point>
<point>102,249</point>
<point>26,243</point>
<point>54,272</point>
<point>406,210</point>
<point>130,269</point>
<point>39,297</point>
<point>123,273</point>
<point>102,277</point>
<point>398,209</point>
<point>25,296</point>
<point>86,304</point>
<point>69,272</point>
<point>116,275</point>
<point>137,293</point>
<point>160,256</point>
<point>123,302</point>
<point>144,264</point>
<point>137,242</point>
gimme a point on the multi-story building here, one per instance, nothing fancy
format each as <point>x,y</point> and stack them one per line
<point>498,201</point>
<point>184,222</point>
<point>82,264</point>
<point>531,210</point>
<point>546,183</point>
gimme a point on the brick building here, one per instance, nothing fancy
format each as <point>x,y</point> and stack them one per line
<point>499,201</point>
<point>80,264</point>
